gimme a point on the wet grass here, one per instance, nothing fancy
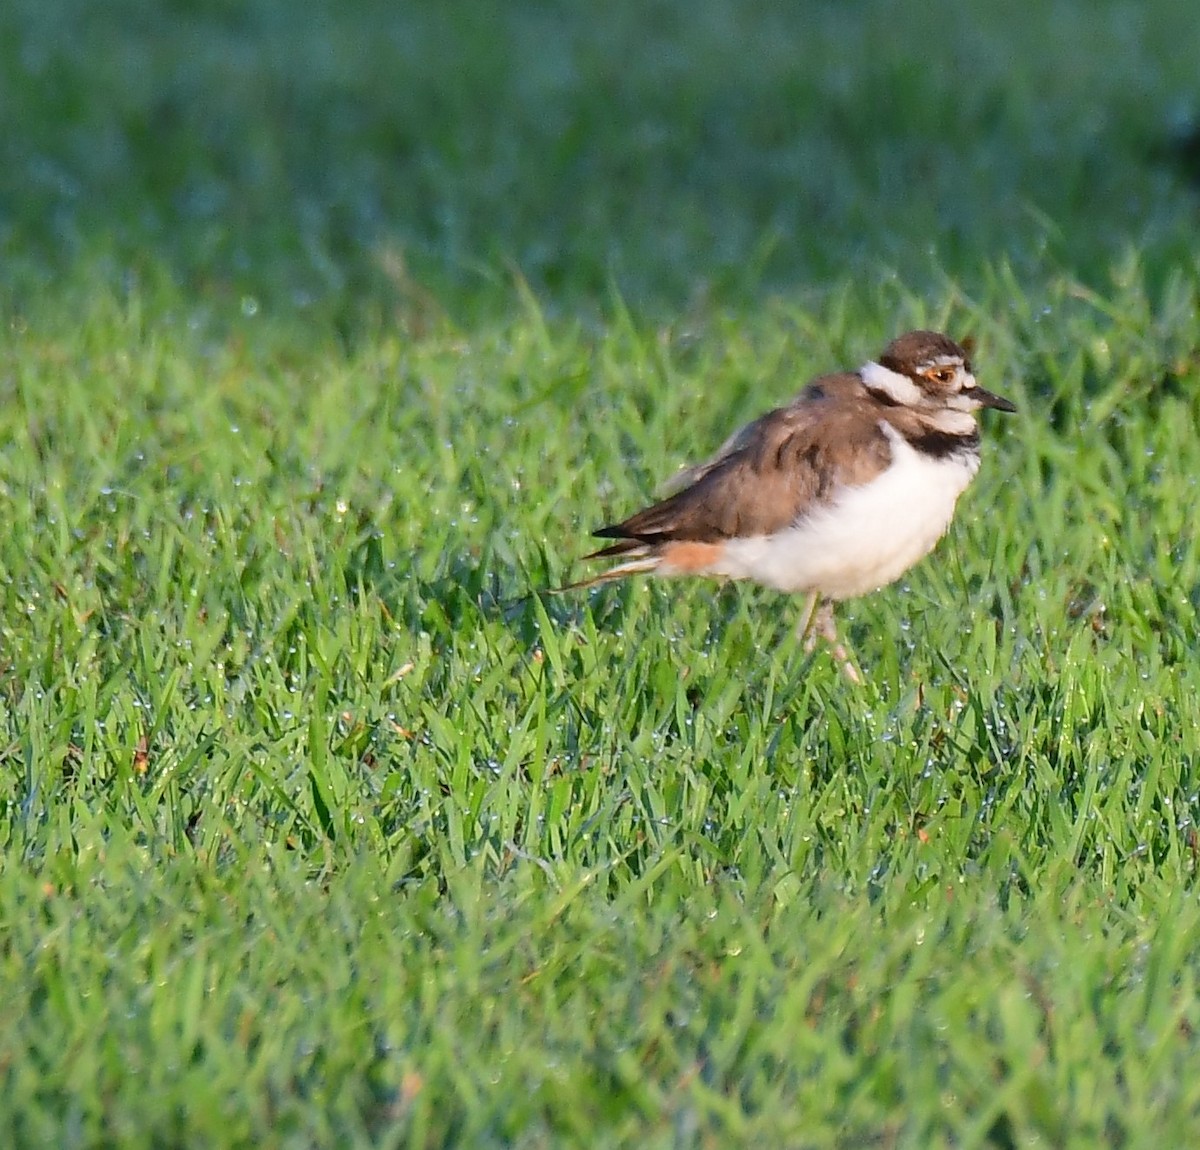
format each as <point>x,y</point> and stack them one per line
<point>319,829</point>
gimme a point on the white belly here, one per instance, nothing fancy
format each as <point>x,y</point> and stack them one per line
<point>867,537</point>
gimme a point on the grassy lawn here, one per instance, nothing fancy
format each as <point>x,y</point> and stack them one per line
<point>328,337</point>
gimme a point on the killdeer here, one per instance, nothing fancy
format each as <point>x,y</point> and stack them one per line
<point>835,495</point>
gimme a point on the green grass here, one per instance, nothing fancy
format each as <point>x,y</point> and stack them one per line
<point>328,340</point>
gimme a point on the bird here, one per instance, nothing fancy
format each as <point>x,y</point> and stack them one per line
<point>833,495</point>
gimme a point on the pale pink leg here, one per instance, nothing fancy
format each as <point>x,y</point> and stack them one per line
<point>817,622</point>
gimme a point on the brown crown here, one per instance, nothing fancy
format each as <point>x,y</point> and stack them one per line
<point>907,352</point>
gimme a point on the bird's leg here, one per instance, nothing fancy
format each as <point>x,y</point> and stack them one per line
<point>804,626</point>
<point>817,622</point>
<point>827,627</point>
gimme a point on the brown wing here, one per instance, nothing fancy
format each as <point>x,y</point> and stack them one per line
<point>770,473</point>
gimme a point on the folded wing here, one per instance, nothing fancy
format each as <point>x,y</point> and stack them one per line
<point>768,475</point>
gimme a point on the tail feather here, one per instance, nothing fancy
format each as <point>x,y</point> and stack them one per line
<point>636,566</point>
<point>639,555</point>
<point>623,546</point>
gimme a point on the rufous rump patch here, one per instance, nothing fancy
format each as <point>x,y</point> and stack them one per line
<point>689,557</point>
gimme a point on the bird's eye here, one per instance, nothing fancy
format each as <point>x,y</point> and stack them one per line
<point>941,374</point>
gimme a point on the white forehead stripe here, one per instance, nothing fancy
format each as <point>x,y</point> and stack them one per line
<point>940,361</point>
<point>898,388</point>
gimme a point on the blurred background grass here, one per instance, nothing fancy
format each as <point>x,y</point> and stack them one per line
<point>371,156</point>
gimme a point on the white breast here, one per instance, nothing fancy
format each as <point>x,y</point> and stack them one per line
<point>865,538</point>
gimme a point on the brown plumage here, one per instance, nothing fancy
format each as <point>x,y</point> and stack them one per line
<point>769,473</point>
